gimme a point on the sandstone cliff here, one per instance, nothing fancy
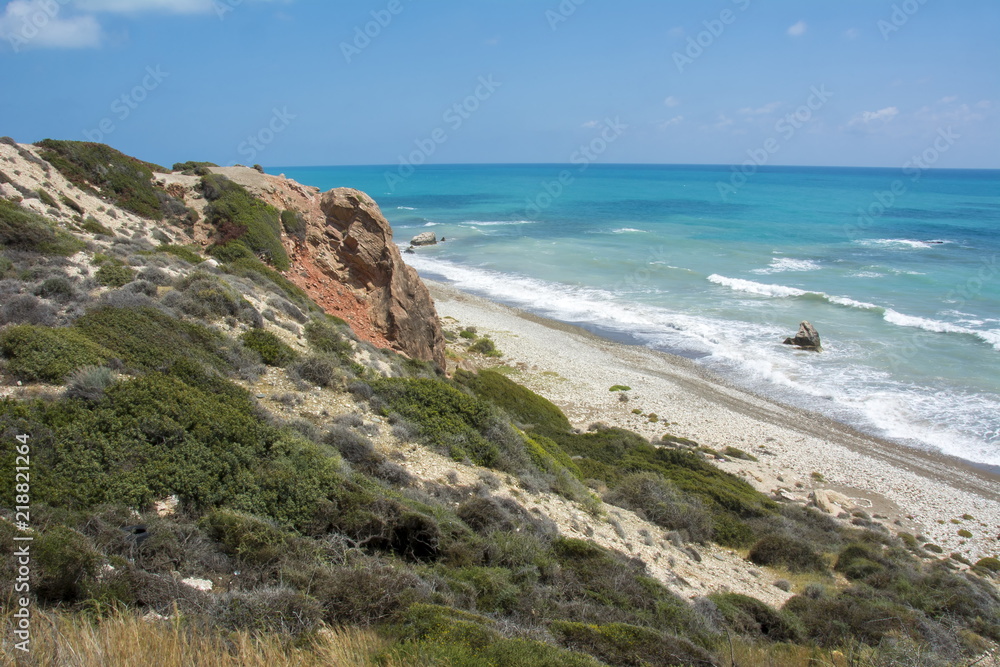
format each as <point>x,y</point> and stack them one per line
<point>346,260</point>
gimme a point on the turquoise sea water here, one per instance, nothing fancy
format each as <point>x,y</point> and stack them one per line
<point>898,271</point>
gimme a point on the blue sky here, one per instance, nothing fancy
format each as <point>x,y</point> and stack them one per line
<point>298,82</point>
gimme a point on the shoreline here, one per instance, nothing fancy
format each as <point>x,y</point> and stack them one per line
<point>799,452</point>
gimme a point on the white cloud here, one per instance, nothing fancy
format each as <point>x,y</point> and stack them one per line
<point>881,116</point>
<point>798,29</point>
<point>767,108</point>
<point>39,24</point>
<point>949,99</point>
<point>667,123</point>
<point>676,32</point>
<point>591,123</point>
<point>671,101</point>
<point>852,33</point>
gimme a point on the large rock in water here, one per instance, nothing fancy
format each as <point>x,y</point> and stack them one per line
<point>361,253</point>
<point>425,238</point>
<point>807,338</point>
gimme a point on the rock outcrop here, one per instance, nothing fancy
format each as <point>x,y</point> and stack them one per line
<point>807,338</point>
<point>425,238</point>
<point>345,260</point>
<point>354,245</point>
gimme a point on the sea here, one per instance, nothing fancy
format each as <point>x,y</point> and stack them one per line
<point>897,270</point>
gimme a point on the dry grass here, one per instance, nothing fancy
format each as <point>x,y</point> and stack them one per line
<point>127,640</point>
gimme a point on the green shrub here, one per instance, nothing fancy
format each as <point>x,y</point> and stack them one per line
<point>90,382</point>
<point>125,180</point>
<point>21,229</point>
<point>737,453</point>
<point>620,387</point>
<point>989,563</point>
<point>94,227</point>
<point>294,224</point>
<point>250,539</point>
<point>114,274</point>
<point>193,166</point>
<point>184,252</point>
<point>857,561</point>
<point>243,220</point>
<point>852,616</point>
<point>469,333</point>
<point>780,550</point>
<point>623,644</point>
<point>751,617</point>
<point>326,336</point>
<point>461,425</point>
<point>318,370</point>
<point>61,559</point>
<point>661,502</point>
<point>46,198</point>
<point>46,354</point>
<point>964,533</point>
<point>57,288</point>
<point>204,295</point>
<point>244,264</point>
<point>72,203</point>
<point>609,454</point>
<point>272,350</point>
<point>360,595</point>
<point>485,347</point>
<point>277,609</point>
<point>147,339</point>
<point>523,405</point>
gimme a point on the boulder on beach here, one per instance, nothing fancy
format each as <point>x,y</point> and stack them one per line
<point>426,238</point>
<point>807,338</point>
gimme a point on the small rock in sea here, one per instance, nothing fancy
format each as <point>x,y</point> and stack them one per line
<point>807,338</point>
<point>425,238</point>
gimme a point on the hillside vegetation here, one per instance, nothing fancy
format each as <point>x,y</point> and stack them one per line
<point>320,546</point>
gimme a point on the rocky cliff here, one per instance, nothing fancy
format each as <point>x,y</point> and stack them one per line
<point>344,257</point>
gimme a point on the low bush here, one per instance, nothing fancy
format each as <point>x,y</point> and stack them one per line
<point>318,370</point>
<point>147,339</point>
<point>27,309</point>
<point>272,350</point>
<point>294,224</point>
<point>623,644</point>
<point>21,229</point>
<point>780,550</point>
<point>326,336</point>
<point>90,382</point>
<point>662,503</point>
<point>72,204</point>
<point>203,295</point>
<point>37,353</point>
<point>114,273</point>
<point>749,616</point>
<point>187,254</point>
<point>241,219</point>
<point>485,347</point>
<point>275,609</point>
<point>989,563</point>
<point>61,559</point>
<point>91,225</point>
<point>523,405</point>
<point>125,180</point>
<point>57,288</point>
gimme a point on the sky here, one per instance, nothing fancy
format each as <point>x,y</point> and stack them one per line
<point>309,82</point>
